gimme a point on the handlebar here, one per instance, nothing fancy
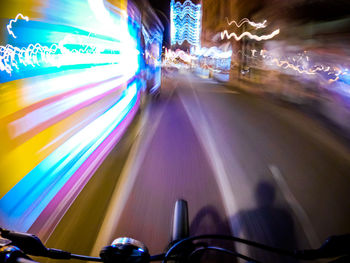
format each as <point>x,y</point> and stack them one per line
<point>16,246</point>
<point>20,244</point>
<point>334,246</point>
<point>12,254</point>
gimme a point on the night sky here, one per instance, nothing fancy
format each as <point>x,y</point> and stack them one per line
<point>162,9</point>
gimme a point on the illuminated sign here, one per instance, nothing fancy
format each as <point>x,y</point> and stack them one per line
<point>185,23</point>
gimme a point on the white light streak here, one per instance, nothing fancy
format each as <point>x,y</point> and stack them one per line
<point>9,26</point>
<point>213,52</point>
<point>173,55</point>
<point>300,64</point>
<point>285,65</point>
<point>185,22</point>
<point>246,20</point>
<point>248,34</point>
<point>59,55</point>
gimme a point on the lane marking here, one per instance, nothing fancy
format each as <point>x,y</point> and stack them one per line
<point>128,177</point>
<point>296,207</point>
<point>217,90</point>
<point>201,128</point>
<point>220,89</point>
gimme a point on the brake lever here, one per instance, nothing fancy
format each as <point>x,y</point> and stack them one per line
<point>32,245</point>
<point>28,243</point>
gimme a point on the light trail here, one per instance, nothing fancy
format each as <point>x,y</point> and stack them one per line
<point>150,39</point>
<point>173,55</point>
<point>285,65</point>
<point>73,85</point>
<point>21,206</point>
<point>334,71</point>
<point>311,70</point>
<point>338,72</point>
<point>213,52</point>
<point>248,34</point>
<point>59,54</point>
<point>246,20</point>
<point>9,26</point>
<point>185,22</point>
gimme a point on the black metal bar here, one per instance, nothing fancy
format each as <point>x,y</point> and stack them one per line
<point>81,257</point>
<point>157,257</point>
<point>230,252</point>
<point>231,238</point>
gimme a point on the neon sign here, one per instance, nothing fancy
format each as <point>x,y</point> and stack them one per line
<point>185,22</point>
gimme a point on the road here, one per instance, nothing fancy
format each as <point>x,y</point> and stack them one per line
<point>246,165</point>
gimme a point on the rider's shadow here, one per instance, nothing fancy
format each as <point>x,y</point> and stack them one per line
<point>268,223</point>
<point>209,221</point>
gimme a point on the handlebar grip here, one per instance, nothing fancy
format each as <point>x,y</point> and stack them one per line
<point>28,243</point>
<point>12,254</point>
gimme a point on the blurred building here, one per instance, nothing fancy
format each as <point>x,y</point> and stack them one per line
<point>185,19</point>
<point>307,62</point>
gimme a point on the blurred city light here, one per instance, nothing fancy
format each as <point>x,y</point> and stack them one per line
<point>185,22</point>
<point>71,76</point>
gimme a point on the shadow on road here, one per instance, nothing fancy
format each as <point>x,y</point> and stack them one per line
<point>268,224</point>
<point>209,221</point>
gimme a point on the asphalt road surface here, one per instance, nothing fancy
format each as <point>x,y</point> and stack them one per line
<point>246,165</point>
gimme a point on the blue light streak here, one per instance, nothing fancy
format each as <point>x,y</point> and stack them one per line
<point>72,50</point>
<point>185,23</point>
<point>88,49</point>
<point>22,205</point>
